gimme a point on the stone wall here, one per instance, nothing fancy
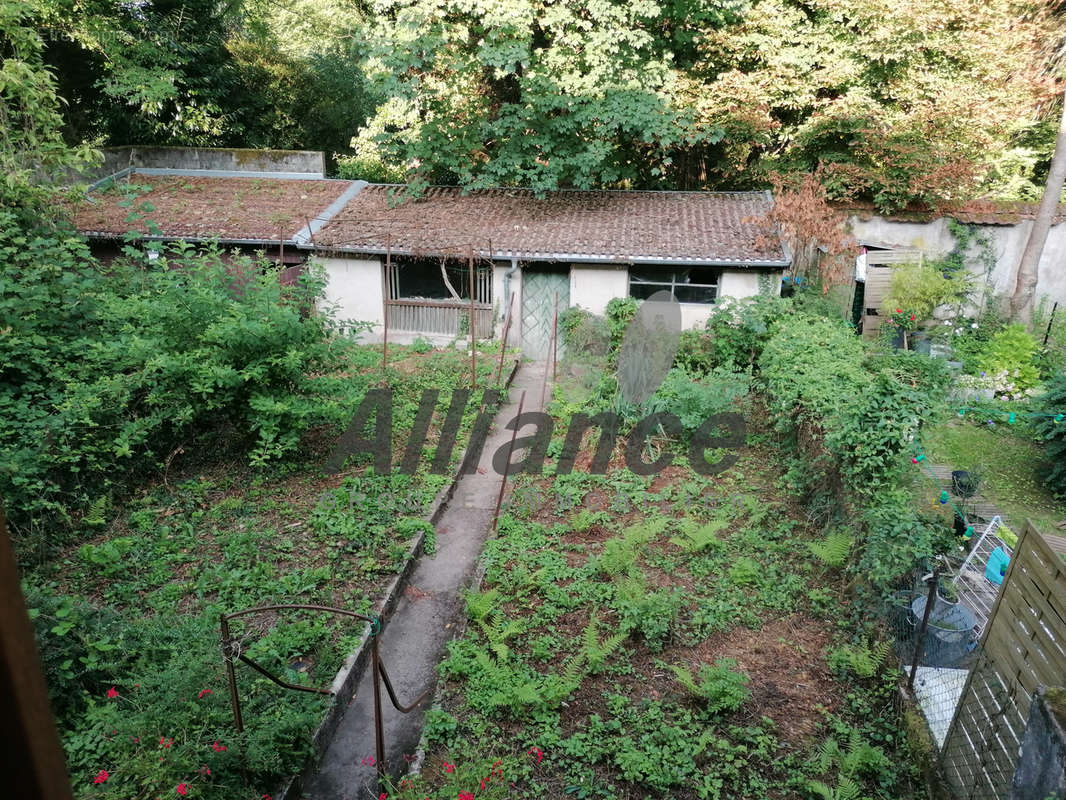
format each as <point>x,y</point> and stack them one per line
<point>1041,770</point>
<point>935,240</point>
<point>215,158</point>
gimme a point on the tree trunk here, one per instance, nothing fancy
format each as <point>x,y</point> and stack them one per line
<point>1021,302</point>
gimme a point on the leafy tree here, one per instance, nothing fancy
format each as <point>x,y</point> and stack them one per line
<point>899,101</point>
<point>245,73</point>
<point>532,93</point>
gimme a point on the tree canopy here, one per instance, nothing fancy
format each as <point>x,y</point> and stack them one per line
<point>891,102</point>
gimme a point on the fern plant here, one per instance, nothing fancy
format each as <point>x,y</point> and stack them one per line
<point>595,650</point>
<point>720,686</point>
<point>859,757</point>
<point>846,789</point>
<point>695,538</point>
<point>480,605</point>
<point>620,554</point>
<point>498,634</point>
<point>833,549</point>
<point>864,661</point>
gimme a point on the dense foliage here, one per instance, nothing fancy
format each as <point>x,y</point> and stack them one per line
<point>1052,429</point>
<point>244,73</point>
<point>106,374</point>
<point>681,94</point>
<point>892,104</point>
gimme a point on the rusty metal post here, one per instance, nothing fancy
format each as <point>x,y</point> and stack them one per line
<point>473,340</point>
<point>919,644</point>
<point>503,344</point>
<point>231,676</point>
<point>507,469</point>
<point>379,723</point>
<point>555,338</point>
<point>388,293</point>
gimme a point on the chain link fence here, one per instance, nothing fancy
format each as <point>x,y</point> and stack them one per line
<point>975,636</point>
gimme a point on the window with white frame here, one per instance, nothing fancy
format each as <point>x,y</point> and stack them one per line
<point>693,285</point>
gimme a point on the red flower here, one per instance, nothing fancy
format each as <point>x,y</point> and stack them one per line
<point>112,693</point>
<point>203,692</point>
<point>449,767</point>
<point>912,317</point>
<point>368,761</point>
<point>536,751</point>
<point>204,770</point>
<point>101,776</point>
<point>218,748</point>
<point>383,796</point>
<point>899,310</point>
<point>465,796</point>
<point>165,743</point>
<point>182,789</point>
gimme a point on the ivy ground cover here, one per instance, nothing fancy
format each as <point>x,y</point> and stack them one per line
<point>662,636</point>
<point>128,621</point>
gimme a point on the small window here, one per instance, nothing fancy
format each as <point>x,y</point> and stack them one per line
<point>424,279</point>
<point>695,285</point>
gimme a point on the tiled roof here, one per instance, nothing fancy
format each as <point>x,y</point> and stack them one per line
<point>198,207</point>
<point>596,225</point>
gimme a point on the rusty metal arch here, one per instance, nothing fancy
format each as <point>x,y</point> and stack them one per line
<point>231,652</point>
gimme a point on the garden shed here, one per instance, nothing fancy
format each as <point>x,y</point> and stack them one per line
<point>433,266</point>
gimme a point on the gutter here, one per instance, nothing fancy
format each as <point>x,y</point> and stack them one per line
<point>574,258</point>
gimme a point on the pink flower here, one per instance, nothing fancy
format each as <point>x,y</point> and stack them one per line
<point>368,761</point>
<point>182,789</point>
<point>112,693</point>
<point>449,767</point>
<point>203,692</point>
<point>383,796</point>
<point>218,748</point>
<point>101,776</point>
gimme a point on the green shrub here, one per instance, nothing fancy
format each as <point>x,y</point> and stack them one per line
<point>899,540</point>
<point>620,312</point>
<point>921,287</point>
<point>106,373</point>
<point>734,335</point>
<point>584,333</point>
<point>692,400</point>
<point>171,722</point>
<point>1012,353</point>
<point>1054,434</point>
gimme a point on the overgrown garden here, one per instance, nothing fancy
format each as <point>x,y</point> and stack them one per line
<point>703,636</point>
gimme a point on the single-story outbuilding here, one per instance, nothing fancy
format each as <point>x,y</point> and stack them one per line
<point>417,263</point>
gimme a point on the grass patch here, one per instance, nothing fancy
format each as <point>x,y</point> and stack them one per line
<point>1007,462</point>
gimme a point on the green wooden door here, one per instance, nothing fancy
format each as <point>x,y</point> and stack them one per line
<point>543,291</point>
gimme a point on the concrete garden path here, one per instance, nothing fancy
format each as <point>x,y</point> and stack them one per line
<point>426,617</point>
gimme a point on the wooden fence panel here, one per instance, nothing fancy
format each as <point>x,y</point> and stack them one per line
<point>1023,648</point>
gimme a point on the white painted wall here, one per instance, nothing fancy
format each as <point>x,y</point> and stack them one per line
<point>592,286</point>
<point>935,240</point>
<point>356,290</point>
